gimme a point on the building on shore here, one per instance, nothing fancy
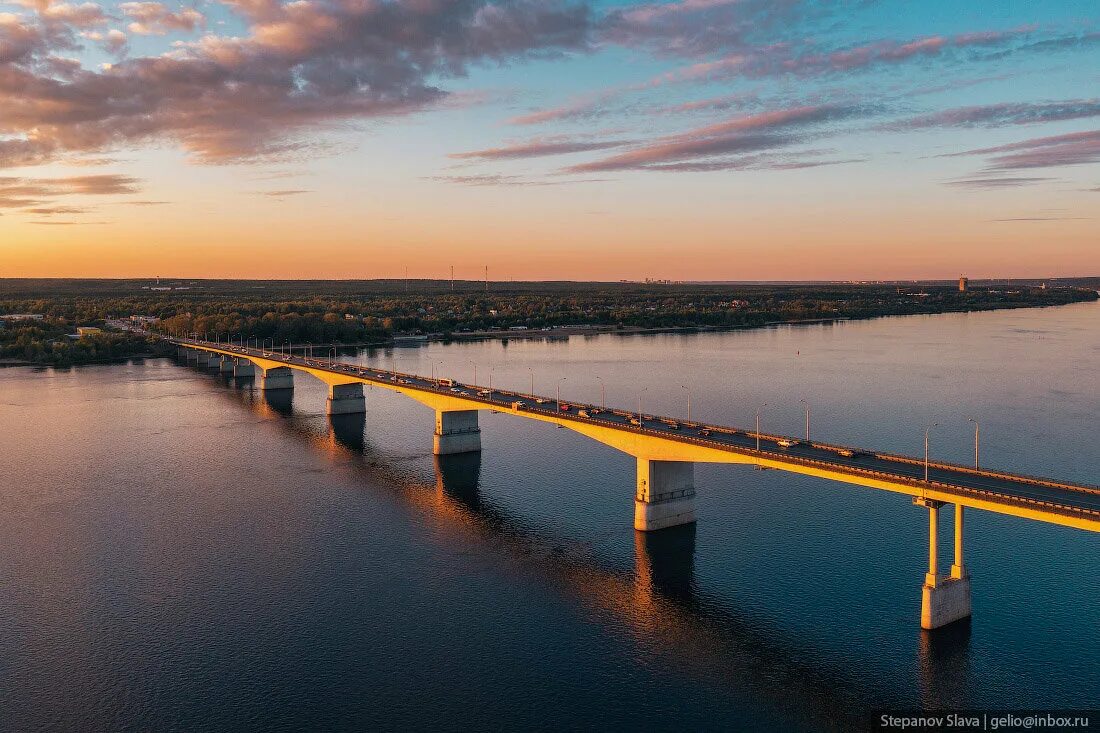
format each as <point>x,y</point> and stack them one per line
<point>964,284</point>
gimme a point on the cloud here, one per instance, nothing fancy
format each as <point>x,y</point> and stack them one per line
<point>68,223</point>
<point>722,103</point>
<point>1075,148</point>
<point>302,66</point>
<point>1043,218</point>
<point>28,193</point>
<point>788,58</point>
<point>84,15</point>
<point>284,193</point>
<point>539,147</point>
<point>152,18</point>
<point>586,107</point>
<point>996,183</point>
<point>1000,115</point>
<point>502,180</point>
<point>51,210</point>
<point>742,135</point>
<point>697,27</point>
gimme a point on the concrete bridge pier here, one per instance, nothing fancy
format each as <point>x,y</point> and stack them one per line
<point>225,366</point>
<point>345,399</point>
<point>276,378</point>
<point>665,495</point>
<point>456,431</point>
<point>944,599</point>
<point>243,368</point>
<point>211,361</point>
<point>192,355</point>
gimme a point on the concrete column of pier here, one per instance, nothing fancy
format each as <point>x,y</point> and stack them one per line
<point>243,368</point>
<point>946,599</point>
<point>193,355</point>
<point>276,378</point>
<point>213,361</point>
<point>665,495</point>
<point>456,431</point>
<point>345,399</point>
<point>225,366</point>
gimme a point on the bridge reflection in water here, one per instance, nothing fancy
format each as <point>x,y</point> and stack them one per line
<point>658,602</point>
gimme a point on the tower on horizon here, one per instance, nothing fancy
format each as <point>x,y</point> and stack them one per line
<point>964,284</point>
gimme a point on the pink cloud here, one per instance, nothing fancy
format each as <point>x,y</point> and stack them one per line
<point>303,65</point>
<point>742,135</point>
<point>153,18</point>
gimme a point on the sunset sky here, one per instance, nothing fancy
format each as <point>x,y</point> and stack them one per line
<point>693,139</point>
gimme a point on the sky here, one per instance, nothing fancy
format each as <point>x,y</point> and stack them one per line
<point>550,139</point>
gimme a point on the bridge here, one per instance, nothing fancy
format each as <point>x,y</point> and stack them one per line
<point>667,449</point>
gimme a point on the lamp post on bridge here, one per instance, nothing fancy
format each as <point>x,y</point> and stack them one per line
<point>807,406</point>
<point>532,392</point>
<point>557,394</point>
<point>603,392</point>
<point>332,357</point>
<point>689,400</point>
<point>976,429</point>
<point>758,411</point>
<point>640,405</point>
<point>474,365</point>
<point>927,430</point>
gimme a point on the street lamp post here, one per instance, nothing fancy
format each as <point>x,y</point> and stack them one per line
<point>640,405</point>
<point>807,406</point>
<point>474,365</point>
<point>976,429</point>
<point>689,401</point>
<point>532,392</point>
<point>927,430</point>
<point>557,395</point>
<point>758,410</point>
<point>603,393</point>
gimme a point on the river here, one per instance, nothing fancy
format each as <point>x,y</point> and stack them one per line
<point>181,552</point>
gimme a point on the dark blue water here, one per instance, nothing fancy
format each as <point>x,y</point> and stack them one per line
<point>181,552</point>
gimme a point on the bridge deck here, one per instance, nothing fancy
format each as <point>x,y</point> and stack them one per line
<point>666,438</point>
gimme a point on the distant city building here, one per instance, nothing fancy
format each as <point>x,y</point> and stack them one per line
<point>964,284</point>
<point>83,331</point>
<point>22,317</point>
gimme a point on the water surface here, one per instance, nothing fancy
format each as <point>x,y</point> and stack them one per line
<point>183,552</point>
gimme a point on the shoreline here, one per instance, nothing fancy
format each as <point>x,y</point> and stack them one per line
<point>564,333</point>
